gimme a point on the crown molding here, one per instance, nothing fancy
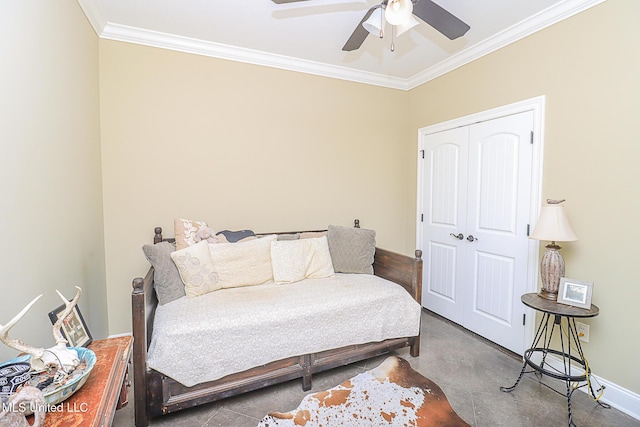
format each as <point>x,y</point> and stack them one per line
<point>150,38</point>
<point>541,20</point>
<point>531,25</point>
<point>94,14</point>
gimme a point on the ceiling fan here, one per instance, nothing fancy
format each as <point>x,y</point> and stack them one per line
<point>430,12</point>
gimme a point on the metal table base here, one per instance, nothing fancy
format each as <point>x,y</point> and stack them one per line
<point>574,370</point>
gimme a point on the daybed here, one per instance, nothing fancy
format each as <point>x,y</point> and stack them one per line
<point>156,393</point>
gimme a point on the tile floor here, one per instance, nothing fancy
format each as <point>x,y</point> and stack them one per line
<point>468,368</point>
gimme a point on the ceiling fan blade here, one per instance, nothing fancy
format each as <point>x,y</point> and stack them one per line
<point>440,19</point>
<point>359,34</point>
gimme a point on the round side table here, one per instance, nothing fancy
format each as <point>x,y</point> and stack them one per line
<point>574,367</point>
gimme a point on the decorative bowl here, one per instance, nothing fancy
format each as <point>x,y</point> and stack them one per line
<point>77,380</point>
<point>13,376</point>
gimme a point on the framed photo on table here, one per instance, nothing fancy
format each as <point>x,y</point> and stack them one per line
<point>575,293</point>
<point>74,329</point>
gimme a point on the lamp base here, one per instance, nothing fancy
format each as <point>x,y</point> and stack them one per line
<point>553,296</point>
<point>551,271</point>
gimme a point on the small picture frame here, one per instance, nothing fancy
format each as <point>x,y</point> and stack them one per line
<point>575,292</point>
<point>74,329</point>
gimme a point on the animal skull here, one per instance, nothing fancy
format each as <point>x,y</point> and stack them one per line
<point>59,355</point>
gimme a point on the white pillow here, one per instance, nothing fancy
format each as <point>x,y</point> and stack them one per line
<point>321,263</point>
<point>290,260</point>
<point>196,269</point>
<point>243,263</point>
<point>294,260</point>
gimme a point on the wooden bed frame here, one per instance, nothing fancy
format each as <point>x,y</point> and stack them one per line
<point>156,394</point>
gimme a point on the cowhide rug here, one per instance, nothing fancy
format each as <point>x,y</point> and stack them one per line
<point>392,394</point>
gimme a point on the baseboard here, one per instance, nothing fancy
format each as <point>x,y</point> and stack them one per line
<point>618,397</point>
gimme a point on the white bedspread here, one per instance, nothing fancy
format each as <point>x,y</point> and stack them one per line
<point>231,330</point>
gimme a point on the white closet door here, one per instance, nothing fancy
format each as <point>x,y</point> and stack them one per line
<point>477,182</point>
<point>498,207</point>
<point>445,187</point>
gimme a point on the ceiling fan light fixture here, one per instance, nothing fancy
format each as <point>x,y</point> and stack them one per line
<point>375,23</point>
<point>400,29</point>
<point>398,12</point>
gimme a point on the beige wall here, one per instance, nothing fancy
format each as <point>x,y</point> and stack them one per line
<point>588,68</point>
<point>49,167</point>
<point>241,146</point>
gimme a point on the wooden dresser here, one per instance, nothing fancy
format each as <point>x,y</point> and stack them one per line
<point>106,390</point>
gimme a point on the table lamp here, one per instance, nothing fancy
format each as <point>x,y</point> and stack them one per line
<point>553,225</point>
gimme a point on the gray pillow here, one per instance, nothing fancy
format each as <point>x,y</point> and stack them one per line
<point>352,249</point>
<point>167,281</point>
<point>290,236</point>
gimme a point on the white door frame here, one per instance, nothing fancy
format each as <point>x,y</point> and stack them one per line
<point>537,105</point>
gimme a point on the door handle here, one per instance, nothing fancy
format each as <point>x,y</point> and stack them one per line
<point>458,236</point>
<point>471,238</point>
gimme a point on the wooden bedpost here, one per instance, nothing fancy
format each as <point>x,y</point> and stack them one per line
<point>158,235</point>
<point>417,276</point>
<point>306,364</point>
<point>139,353</point>
<point>414,350</point>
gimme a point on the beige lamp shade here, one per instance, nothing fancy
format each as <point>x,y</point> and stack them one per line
<point>553,225</point>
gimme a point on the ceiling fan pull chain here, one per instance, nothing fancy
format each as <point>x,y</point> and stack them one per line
<point>393,31</point>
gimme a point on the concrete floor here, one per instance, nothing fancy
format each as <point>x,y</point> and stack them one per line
<point>468,368</point>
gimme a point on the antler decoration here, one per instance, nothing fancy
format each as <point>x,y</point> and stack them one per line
<point>16,343</point>
<point>69,305</point>
<point>58,355</point>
